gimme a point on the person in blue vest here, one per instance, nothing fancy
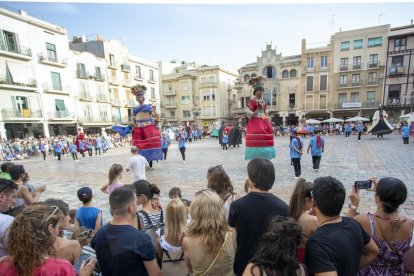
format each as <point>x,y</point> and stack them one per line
<point>316,146</point>
<point>296,145</point>
<point>165,143</point>
<point>58,149</point>
<point>42,148</point>
<point>82,148</point>
<point>224,140</point>
<point>181,143</point>
<point>98,145</point>
<point>360,129</point>
<point>405,134</point>
<point>74,151</point>
<point>348,130</point>
<point>311,130</point>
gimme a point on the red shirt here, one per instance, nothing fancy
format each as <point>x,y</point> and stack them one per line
<point>49,267</point>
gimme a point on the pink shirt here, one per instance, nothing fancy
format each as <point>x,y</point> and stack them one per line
<point>49,267</point>
<point>114,186</point>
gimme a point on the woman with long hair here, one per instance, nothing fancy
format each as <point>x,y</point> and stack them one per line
<point>209,245</point>
<point>30,243</point>
<point>391,231</point>
<point>299,206</point>
<point>169,245</point>
<point>275,255</point>
<point>219,181</point>
<point>114,177</point>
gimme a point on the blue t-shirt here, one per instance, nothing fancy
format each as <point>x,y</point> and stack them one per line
<point>225,139</point>
<point>86,216</point>
<point>58,147</point>
<point>315,151</point>
<point>98,143</point>
<point>81,145</point>
<point>405,131</point>
<point>122,250</point>
<point>73,149</point>
<point>181,143</point>
<point>360,128</point>
<point>165,142</point>
<point>295,143</point>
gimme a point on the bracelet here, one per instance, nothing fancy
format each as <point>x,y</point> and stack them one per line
<point>353,207</point>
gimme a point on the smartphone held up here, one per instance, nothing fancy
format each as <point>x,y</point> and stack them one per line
<point>363,185</point>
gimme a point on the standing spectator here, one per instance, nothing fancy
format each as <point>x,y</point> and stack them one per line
<point>391,232</point>
<point>137,164</point>
<point>31,239</point>
<point>208,246</point>
<point>316,145</point>
<point>87,215</point>
<point>8,192</point>
<point>405,134</point>
<point>360,129</point>
<point>181,144</point>
<point>165,143</point>
<point>296,145</point>
<point>250,215</point>
<point>131,250</point>
<point>339,246</point>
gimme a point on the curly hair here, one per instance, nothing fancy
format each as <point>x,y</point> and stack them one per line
<point>298,198</point>
<point>208,221</point>
<point>276,251</point>
<point>29,237</point>
<point>219,181</point>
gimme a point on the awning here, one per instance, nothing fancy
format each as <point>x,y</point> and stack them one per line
<point>18,72</point>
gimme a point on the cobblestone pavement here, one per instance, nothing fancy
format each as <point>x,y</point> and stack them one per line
<point>344,158</point>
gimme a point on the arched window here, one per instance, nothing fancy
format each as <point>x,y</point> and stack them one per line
<point>269,72</point>
<point>285,74</point>
<point>293,73</point>
<point>246,78</point>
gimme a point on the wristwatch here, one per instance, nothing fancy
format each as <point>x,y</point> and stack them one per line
<point>351,206</point>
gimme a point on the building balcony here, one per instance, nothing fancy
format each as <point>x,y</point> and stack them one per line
<point>25,114</point>
<point>372,82</point>
<point>343,68</point>
<point>112,65</point>
<point>85,96</point>
<point>126,83</point>
<point>169,92</point>
<point>22,53</point>
<point>83,74</point>
<point>103,98</point>
<point>99,77</point>
<point>130,103</point>
<point>400,101</point>
<point>114,81</point>
<point>5,83</point>
<point>139,77</point>
<point>356,83</point>
<point>208,84</point>
<point>357,105</point>
<point>120,120</point>
<point>117,102</point>
<point>152,80</point>
<point>170,105</point>
<point>125,68</point>
<point>373,65</point>
<point>240,110</point>
<point>94,120</point>
<point>61,115</point>
<point>273,108</point>
<point>49,88</point>
<point>357,66</point>
<point>396,70</point>
<point>53,61</point>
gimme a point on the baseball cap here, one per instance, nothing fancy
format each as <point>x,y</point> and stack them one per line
<point>84,192</point>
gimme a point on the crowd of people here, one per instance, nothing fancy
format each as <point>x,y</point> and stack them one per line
<point>218,232</point>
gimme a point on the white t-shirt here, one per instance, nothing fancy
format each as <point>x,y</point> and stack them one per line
<point>137,164</point>
<point>5,222</point>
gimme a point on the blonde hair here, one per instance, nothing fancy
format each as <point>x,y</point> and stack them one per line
<point>175,220</point>
<point>208,221</point>
<point>83,235</point>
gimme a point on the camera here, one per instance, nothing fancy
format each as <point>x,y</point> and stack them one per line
<point>364,184</point>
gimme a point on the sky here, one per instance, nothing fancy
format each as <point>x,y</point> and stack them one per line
<point>229,35</point>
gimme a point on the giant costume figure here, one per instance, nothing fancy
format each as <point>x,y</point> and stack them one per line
<point>145,135</point>
<point>259,132</point>
<point>380,124</point>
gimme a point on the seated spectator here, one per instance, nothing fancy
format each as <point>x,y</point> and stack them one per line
<point>131,250</point>
<point>209,245</point>
<point>169,245</point>
<point>276,251</point>
<point>299,206</point>
<point>87,215</point>
<point>219,181</point>
<point>390,231</point>
<point>25,183</point>
<point>31,240</point>
<point>339,246</point>
<point>24,196</point>
<point>72,215</point>
<point>250,215</point>
<point>84,237</point>
<point>8,191</point>
<point>65,248</point>
<point>115,176</point>
<point>4,174</point>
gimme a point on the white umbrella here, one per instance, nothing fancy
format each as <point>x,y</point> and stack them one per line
<point>357,119</point>
<point>332,120</point>
<point>313,121</point>
<point>406,115</point>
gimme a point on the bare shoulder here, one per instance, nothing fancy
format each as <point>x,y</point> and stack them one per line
<point>308,221</point>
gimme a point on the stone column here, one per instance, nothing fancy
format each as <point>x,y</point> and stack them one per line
<point>3,131</point>
<point>46,132</point>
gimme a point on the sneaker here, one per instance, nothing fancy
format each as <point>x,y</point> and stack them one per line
<point>184,161</point>
<point>316,170</point>
<point>295,177</point>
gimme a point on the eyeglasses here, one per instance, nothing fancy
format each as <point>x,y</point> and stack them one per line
<point>203,190</point>
<point>10,184</point>
<point>87,233</point>
<point>55,209</point>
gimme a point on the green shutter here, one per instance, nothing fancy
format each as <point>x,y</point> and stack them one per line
<point>50,47</point>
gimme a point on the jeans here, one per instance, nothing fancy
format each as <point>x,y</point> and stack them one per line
<point>296,166</point>
<point>406,140</point>
<point>316,160</point>
<point>96,151</point>
<point>182,150</point>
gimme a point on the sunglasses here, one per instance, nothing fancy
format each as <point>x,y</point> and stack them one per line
<point>87,233</point>
<point>55,209</point>
<point>203,190</point>
<point>10,184</point>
